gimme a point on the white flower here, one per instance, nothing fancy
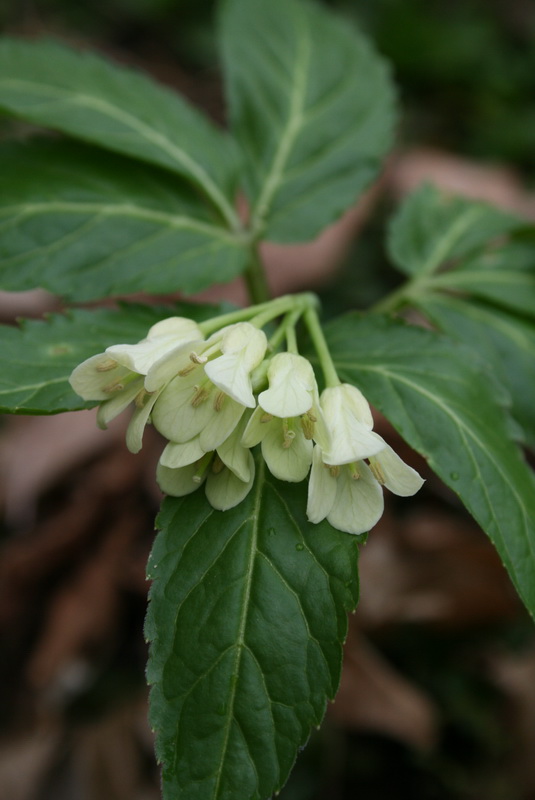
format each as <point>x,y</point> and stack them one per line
<point>343,488</point>
<point>350,495</point>
<point>115,377</point>
<point>350,423</point>
<point>208,390</point>
<point>288,418</point>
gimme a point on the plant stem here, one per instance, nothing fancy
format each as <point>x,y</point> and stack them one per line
<point>256,279</point>
<point>262,313</point>
<point>318,339</point>
<point>400,296</point>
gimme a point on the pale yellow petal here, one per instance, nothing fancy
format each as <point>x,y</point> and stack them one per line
<point>181,455</point>
<point>225,490</point>
<point>397,476</point>
<point>177,482</point>
<point>321,488</point>
<point>287,463</point>
<point>95,377</point>
<point>358,504</point>
<point>291,386</point>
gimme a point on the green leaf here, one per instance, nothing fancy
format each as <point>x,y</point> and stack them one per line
<point>90,98</point>
<point>432,228</point>
<point>311,105</point>
<point>247,619</point>
<point>448,409</point>
<point>505,276</point>
<point>86,224</point>
<point>504,340</point>
<point>37,358</point>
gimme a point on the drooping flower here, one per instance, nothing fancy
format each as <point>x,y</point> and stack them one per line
<point>116,377</point>
<point>288,418</point>
<point>344,488</point>
<point>207,391</point>
<point>228,473</point>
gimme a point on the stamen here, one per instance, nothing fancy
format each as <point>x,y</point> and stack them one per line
<point>116,386</point>
<point>217,465</point>
<point>197,359</point>
<point>219,400</point>
<point>287,433</point>
<point>202,465</point>
<point>311,416</point>
<point>105,366</point>
<point>334,469</point>
<point>266,417</point>
<point>187,370</point>
<point>377,472</point>
<point>307,424</point>
<point>201,394</point>
<point>355,474</point>
<point>140,398</point>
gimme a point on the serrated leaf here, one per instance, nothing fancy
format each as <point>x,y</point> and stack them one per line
<point>247,618</point>
<point>504,340</point>
<point>37,358</point>
<point>87,224</point>
<point>432,228</point>
<point>442,403</point>
<point>86,96</point>
<point>311,106</point>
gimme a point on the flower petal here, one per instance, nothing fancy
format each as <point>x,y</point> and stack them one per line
<point>178,327</point>
<point>171,363</point>
<point>359,504</point>
<point>287,463</point>
<point>291,386</point>
<point>90,378</point>
<point>229,375</point>
<point>177,482</point>
<point>221,423</point>
<point>256,429</point>
<point>346,399</point>
<point>136,426</point>
<point>177,455</point>
<point>225,490</point>
<point>351,441</point>
<point>174,416</point>
<point>398,476</point>
<point>234,455</point>
<point>243,347</point>
<point>321,488</point>
<point>118,402</point>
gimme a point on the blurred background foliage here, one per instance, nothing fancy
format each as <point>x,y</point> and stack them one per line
<point>452,685</point>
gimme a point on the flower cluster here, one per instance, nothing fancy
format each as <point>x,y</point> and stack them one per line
<point>215,398</point>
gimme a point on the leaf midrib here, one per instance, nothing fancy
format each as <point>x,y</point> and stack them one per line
<point>178,221</point>
<point>240,642</point>
<point>145,131</point>
<point>275,175</point>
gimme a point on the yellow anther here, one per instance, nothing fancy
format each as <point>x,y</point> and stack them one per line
<point>105,366</point>
<point>353,468</point>
<point>201,394</point>
<point>187,370</point>
<point>116,386</point>
<point>334,469</point>
<point>197,359</point>
<point>307,423</point>
<point>219,400</point>
<point>139,399</point>
<point>377,472</point>
<point>266,417</point>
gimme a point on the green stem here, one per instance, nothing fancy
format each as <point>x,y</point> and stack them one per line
<point>401,296</point>
<point>256,279</point>
<point>262,313</point>
<point>318,339</point>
